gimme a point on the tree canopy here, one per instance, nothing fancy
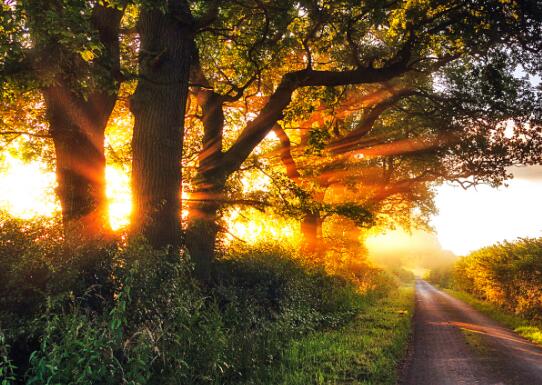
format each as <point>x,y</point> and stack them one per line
<point>355,108</point>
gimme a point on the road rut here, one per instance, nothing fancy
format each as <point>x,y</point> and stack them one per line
<point>453,344</point>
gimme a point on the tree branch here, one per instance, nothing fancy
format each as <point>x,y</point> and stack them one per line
<point>260,126</point>
<point>286,154</point>
<point>350,140</point>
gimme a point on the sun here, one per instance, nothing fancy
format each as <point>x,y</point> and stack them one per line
<point>119,195</point>
<point>28,191</point>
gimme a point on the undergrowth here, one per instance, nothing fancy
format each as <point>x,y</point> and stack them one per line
<point>365,351</point>
<point>121,313</point>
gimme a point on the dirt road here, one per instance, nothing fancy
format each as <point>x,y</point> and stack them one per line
<point>456,345</point>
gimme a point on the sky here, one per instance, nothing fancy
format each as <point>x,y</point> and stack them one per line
<point>473,218</point>
<point>468,220</point>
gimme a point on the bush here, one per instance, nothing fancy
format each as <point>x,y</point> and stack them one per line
<point>37,266</point>
<point>128,314</point>
<point>269,296</point>
<point>442,276</point>
<point>402,275</point>
<point>7,367</point>
<point>508,274</point>
<point>159,329</point>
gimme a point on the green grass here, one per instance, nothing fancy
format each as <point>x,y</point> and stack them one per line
<point>528,329</point>
<point>365,351</point>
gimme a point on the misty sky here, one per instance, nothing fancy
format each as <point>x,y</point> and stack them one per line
<point>467,221</point>
<point>479,217</point>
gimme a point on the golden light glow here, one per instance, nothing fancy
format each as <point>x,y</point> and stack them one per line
<point>119,195</point>
<point>467,220</point>
<point>416,251</point>
<point>27,189</point>
<point>252,226</point>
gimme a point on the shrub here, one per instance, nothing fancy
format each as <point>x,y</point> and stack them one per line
<point>159,329</point>
<point>508,274</point>
<point>128,314</point>
<point>442,276</point>
<point>37,266</point>
<point>269,296</point>
<point>402,275</point>
<point>7,367</point>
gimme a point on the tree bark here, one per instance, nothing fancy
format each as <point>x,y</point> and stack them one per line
<point>158,105</point>
<point>77,128</point>
<point>202,229</point>
<point>219,164</point>
<point>205,200</point>
<point>77,121</point>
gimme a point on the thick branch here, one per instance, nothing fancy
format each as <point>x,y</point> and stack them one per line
<point>259,127</point>
<point>212,106</point>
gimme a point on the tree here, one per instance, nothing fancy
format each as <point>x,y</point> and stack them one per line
<point>72,57</point>
<point>158,105</point>
<point>357,188</point>
<point>288,47</point>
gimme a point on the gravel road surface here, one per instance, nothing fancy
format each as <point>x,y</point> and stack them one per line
<point>453,344</point>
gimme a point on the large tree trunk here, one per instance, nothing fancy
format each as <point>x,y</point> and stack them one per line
<point>311,225</point>
<point>202,229</point>
<point>158,105</point>
<point>77,127</point>
<point>77,121</point>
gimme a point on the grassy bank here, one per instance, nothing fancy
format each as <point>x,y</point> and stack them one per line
<point>528,329</point>
<point>365,351</point>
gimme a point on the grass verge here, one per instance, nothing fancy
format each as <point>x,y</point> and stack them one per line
<point>365,351</point>
<point>528,329</point>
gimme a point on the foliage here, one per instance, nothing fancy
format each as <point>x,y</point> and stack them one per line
<point>365,351</point>
<point>147,321</point>
<point>167,336</point>
<point>37,264</point>
<point>507,274</point>
<point>502,281</point>
<point>442,276</point>
<point>527,328</point>
<point>435,98</point>
<point>269,299</point>
<point>7,368</point>
<point>403,276</point>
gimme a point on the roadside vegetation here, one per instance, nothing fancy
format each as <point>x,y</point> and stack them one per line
<point>141,317</point>
<point>527,328</point>
<point>503,281</point>
<point>365,351</point>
